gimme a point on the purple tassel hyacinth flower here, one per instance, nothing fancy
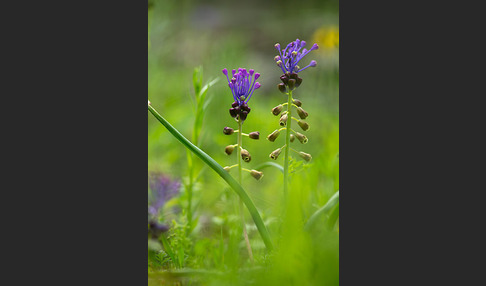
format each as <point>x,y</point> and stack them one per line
<point>162,190</point>
<point>242,84</point>
<point>288,59</point>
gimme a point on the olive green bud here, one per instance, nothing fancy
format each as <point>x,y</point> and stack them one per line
<point>229,149</point>
<point>274,154</point>
<point>305,156</point>
<point>297,102</point>
<point>283,120</point>
<point>255,174</point>
<point>292,137</point>
<point>302,113</point>
<point>277,109</point>
<point>282,88</point>
<point>301,137</point>
<point>291,84</point>
<point>303,125</point>
<point>228,130</point>
<point>245,155</point>
<point>227,169</point>
<point>273,136</point>
<point>254,135</point>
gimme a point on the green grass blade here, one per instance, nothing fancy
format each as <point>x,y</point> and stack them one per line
<point>323,210</point>
<point>270,164</point>
<point>223,174</point>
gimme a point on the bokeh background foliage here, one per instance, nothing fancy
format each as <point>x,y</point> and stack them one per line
<point>212,35</point>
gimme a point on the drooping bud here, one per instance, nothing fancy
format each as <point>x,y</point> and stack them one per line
<point>292,137</point>
<point>277,109</point>
<point>254,135</point>
<point>305,156</point>
<point>303,125</point>
<point>297,102</point>
<point>283,120</point>
<point>234,104</point>
<point>256,174</point>
<point>284,79</point>
<point>274,154</point>
<point>273,136</point>
<point>245,155</point>
<point>293,75</point>
<point>291,84</point>
<point>302,113</point>
<point>233,112</point>
<point>282,88</point>
<point>243,115</point>
<point>301,137</point>
<point>228,130</point>
<point>245,106</point>
<point>298,81</point>
<point>229,149</point>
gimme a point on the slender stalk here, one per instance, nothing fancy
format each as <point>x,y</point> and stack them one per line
<point>223,174</point>
<point>287,142</point>
<point>242,214</point>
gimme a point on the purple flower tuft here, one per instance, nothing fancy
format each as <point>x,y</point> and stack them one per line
<point>288,59</point>
<point>242,84</point>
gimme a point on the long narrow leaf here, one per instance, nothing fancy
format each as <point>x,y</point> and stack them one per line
<point>323,210</point>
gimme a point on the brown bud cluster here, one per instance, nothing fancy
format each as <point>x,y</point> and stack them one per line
<point>290,80</point>
<point>237,111</point>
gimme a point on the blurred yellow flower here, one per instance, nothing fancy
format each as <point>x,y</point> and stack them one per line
<point>326,37</point>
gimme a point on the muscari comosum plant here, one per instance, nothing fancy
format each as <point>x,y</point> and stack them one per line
<point>288,60</point>
<point>242,85</point>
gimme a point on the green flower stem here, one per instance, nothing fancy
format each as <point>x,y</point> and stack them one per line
<point>287,143</point>
<point>323,210</point>
<point>223,174</point>
<point>189,190</point>
<point>242,214</point>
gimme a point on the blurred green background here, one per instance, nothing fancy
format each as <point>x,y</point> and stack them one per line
<point>184,35</point>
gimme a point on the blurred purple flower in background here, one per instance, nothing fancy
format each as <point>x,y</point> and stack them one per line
<point>288,59</point>
<point>162,189</point>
